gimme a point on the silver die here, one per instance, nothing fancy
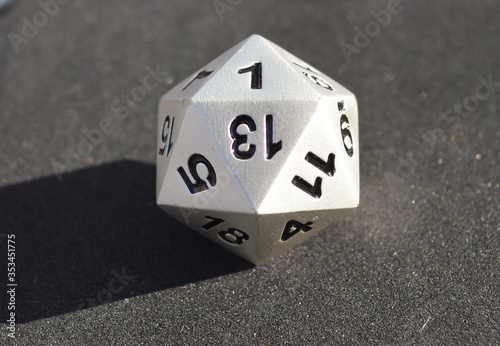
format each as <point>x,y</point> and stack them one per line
<point>258,150</point>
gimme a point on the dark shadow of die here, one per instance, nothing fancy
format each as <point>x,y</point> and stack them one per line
<point>99,237</point>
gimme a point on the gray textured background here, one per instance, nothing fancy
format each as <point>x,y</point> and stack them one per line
<point>418,263</point>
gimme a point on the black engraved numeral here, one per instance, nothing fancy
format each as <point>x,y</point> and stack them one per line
<point>293,227</point>
<point>234,236</point>
<point>345,130</point>
<point>168,124</point>
<point>199,185</point>
<point>327,167</point>
<point>312,75</point>
<point>341,106</point>
<point>213,223</point>
<point>314,191</point>
<point>240,139</point>
<point>272,148</point>
<point>201,75</point>
<point>256,70</point>
<point>306,67</point>
<point>319,81</point>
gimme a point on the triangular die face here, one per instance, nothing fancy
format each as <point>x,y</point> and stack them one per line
<point>191,85</point>
<point>319,81</point>
<point>236,232</point>
<point>319,174</point>
<point>256,139</point>
<point>255,72</point>
<point>287,230</point>
<point>197,176</point>
<point>171,115</point>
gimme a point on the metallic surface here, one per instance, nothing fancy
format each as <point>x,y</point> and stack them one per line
<point>258,194</point>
